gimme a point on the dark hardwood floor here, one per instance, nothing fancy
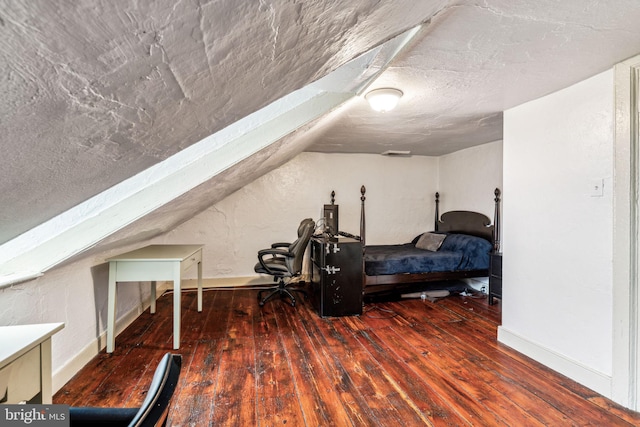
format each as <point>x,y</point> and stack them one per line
<point>403,363</point>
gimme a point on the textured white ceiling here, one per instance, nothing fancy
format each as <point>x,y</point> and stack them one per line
<point>476,59</point>
<point>97,91</point>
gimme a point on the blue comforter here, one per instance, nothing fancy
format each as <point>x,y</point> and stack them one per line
<point>458,252</point>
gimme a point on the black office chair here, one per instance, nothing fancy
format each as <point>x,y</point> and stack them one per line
<point>154,409</point>
<point>284,261</point>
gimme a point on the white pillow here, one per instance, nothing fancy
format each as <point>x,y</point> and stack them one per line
<point>430,241</point>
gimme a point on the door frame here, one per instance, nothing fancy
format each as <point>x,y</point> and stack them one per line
<point>625,387</point>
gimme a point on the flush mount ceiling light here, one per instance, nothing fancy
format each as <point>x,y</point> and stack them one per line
<point>384,99</point>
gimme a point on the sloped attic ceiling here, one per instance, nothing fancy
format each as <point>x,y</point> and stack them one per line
<point>197,176</point>
<point>98,91</point>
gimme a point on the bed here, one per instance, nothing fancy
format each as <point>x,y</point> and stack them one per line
<point>465,240</point>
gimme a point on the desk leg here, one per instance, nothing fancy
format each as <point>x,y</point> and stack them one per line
<point>46,386</point>
<point>111,308</point>
<point>200,286</point>
<point>152,309</point>
<point>176,306</point>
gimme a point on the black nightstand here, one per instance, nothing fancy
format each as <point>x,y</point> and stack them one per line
<point>495,276</point>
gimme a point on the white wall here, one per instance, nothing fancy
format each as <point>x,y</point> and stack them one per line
<point>557,245</point>
<point>399,206</point>
<point>399,201</point>
<point>469,177</point>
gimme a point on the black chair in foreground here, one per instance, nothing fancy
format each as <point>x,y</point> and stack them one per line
<point>154,409</point>
<point>284,261</point>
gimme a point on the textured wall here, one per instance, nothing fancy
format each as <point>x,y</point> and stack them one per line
<point>399,206</point>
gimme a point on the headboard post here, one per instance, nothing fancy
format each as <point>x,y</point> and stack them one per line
<point>362,219</point>
<point>496,222</point>
<point>437,219</point>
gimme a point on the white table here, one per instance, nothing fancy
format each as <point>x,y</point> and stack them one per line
<point>25,362</point>
<point>153,263</point>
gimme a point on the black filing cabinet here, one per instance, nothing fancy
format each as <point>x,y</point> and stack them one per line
<point>336,277</point>
<point>495,276</point>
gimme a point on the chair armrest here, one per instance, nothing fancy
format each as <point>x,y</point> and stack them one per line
<point>275,253</point>
<point>280,245</point>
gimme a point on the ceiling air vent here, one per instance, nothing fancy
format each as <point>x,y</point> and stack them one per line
<point>396,153</point>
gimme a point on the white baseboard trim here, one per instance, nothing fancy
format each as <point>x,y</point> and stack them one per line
<point>596,381</point>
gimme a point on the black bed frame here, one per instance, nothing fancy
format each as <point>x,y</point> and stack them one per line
<point>466,222</point>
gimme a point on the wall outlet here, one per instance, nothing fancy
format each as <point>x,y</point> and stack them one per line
<point>483,289</point>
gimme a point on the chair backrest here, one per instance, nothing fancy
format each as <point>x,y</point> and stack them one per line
<point>297,248</point>
<point>155,408</point>
<point>302,228</point>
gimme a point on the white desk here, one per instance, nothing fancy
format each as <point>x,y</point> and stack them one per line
<point>152,263</point>
<point>25,363</point>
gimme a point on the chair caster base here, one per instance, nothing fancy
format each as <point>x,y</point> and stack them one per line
<point>282,291</point>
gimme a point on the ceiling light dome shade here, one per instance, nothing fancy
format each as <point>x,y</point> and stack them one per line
<point>384,99</point>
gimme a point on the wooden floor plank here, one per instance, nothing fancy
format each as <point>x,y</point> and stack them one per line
<point>513,372</point>
<point>456,397</point>
<point>409,362</point>
<point>193,403</point>
<point>354,403</point>
<point>319,400</point>
<point>278,402</point>
<point>387,402</point>
<point>467,366</point>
